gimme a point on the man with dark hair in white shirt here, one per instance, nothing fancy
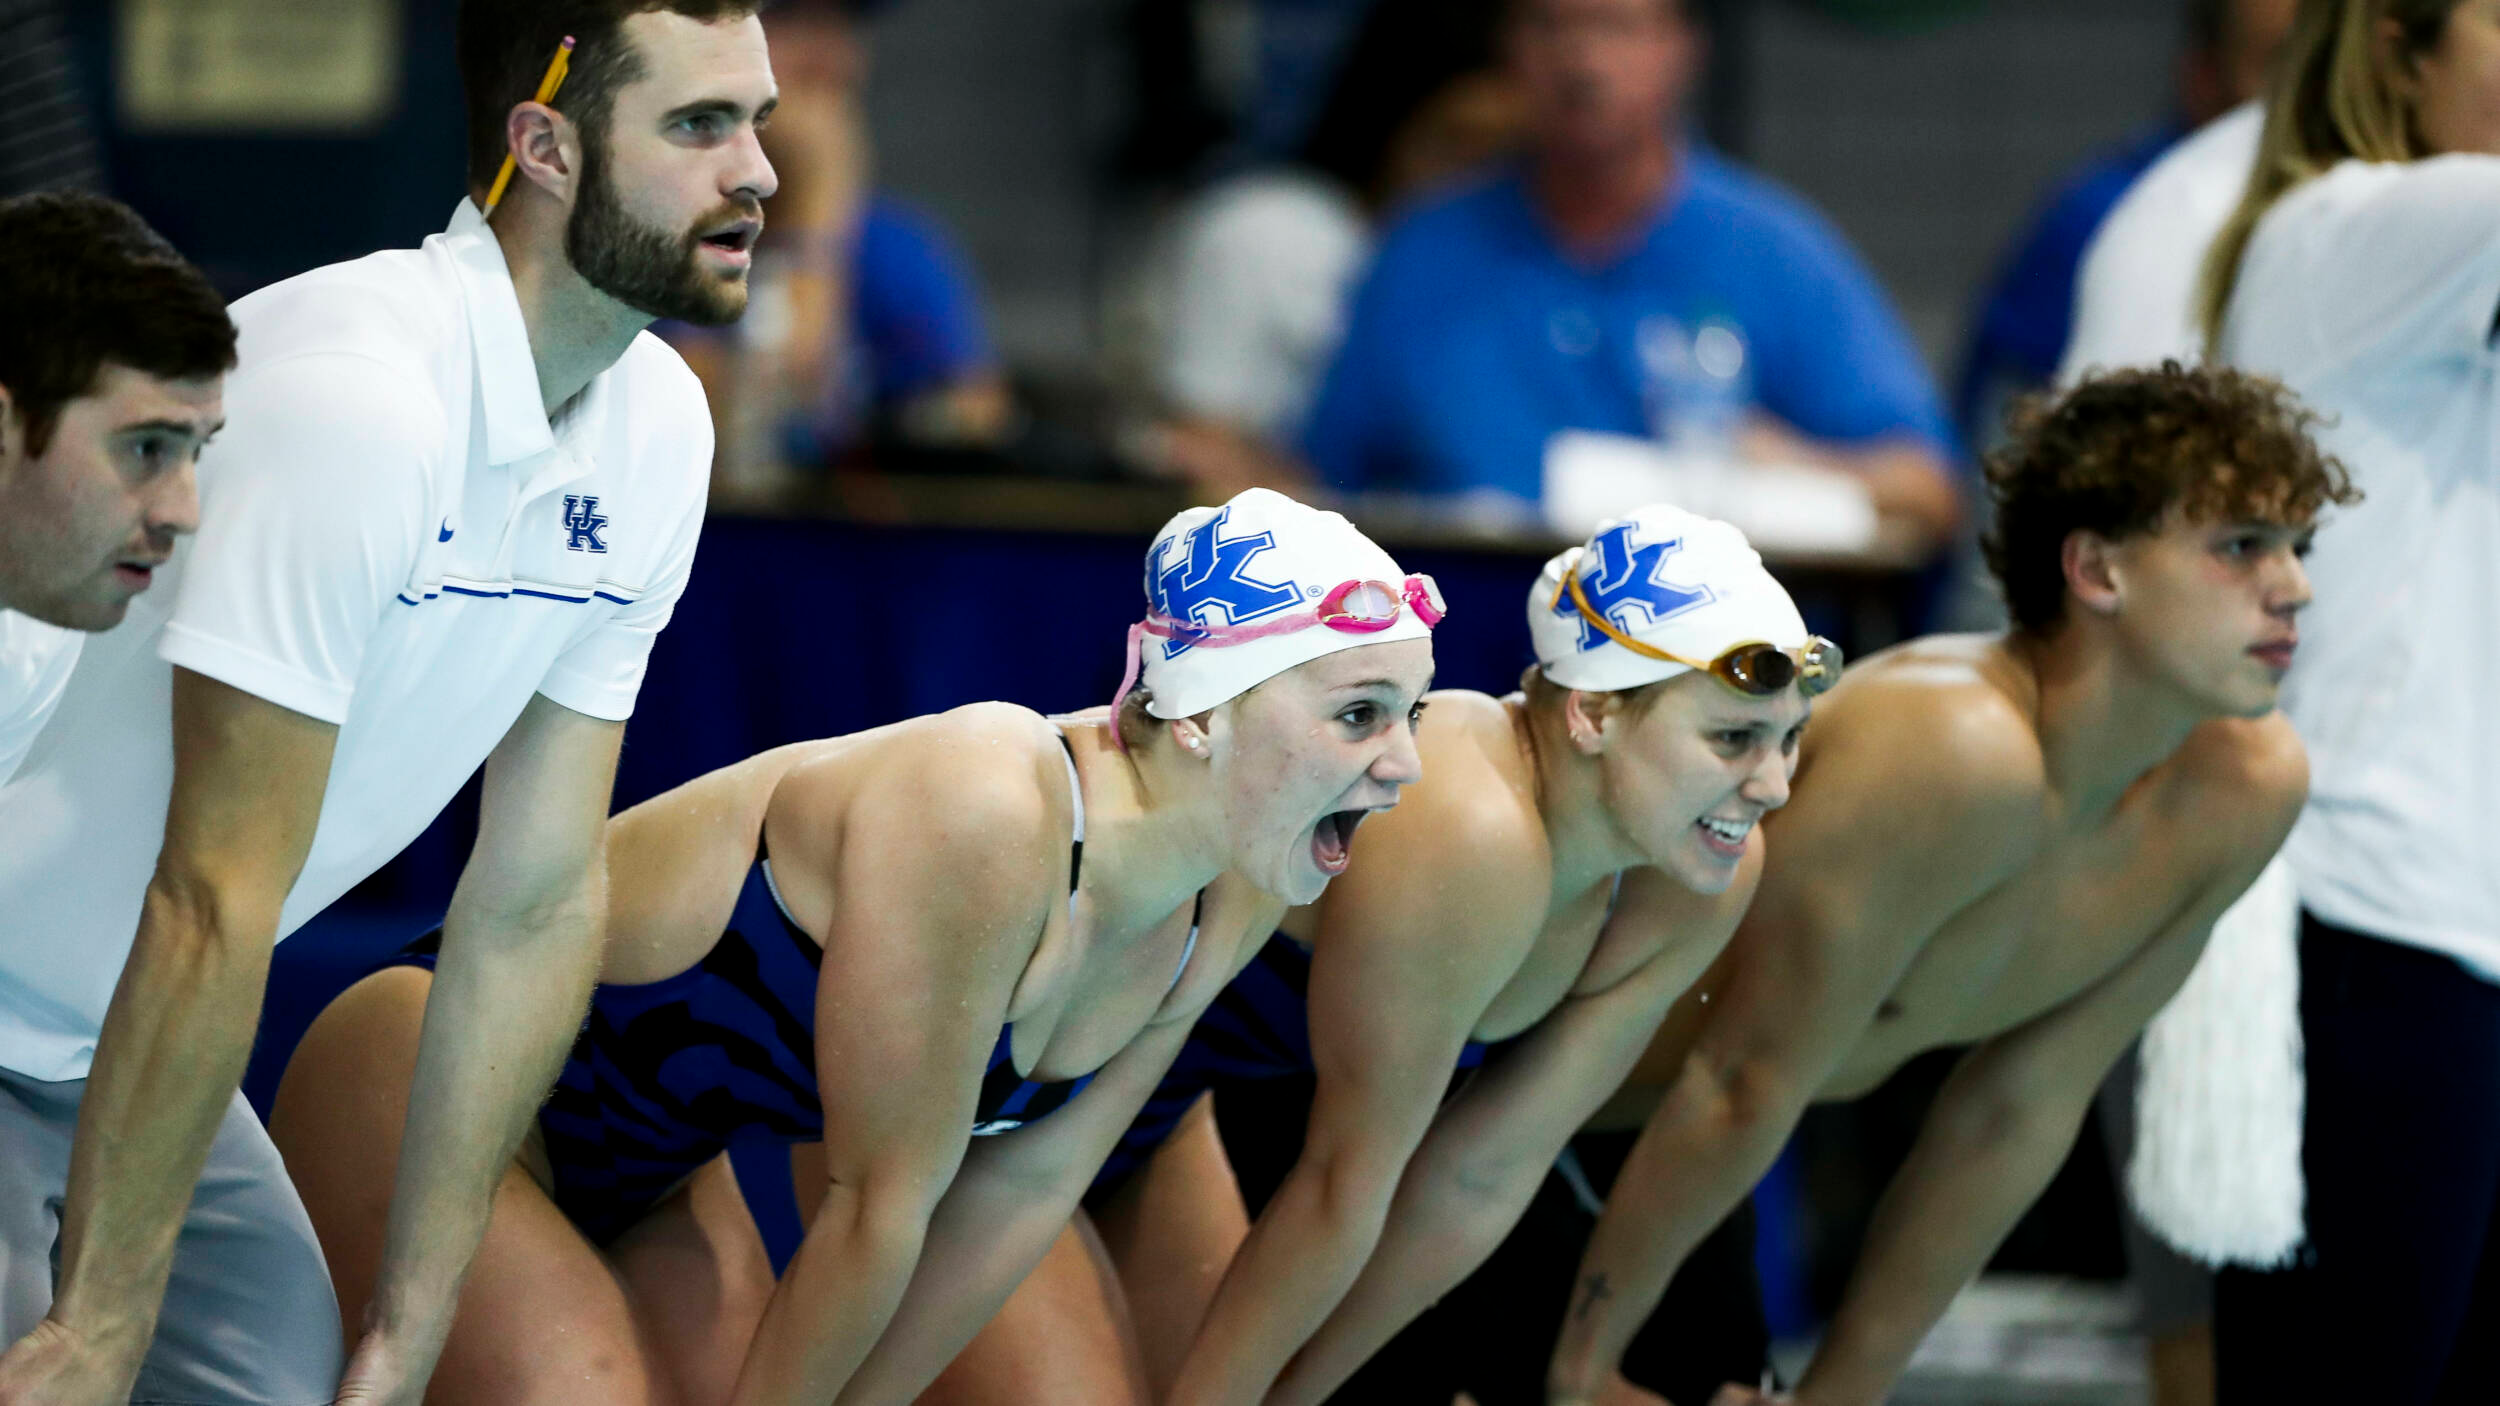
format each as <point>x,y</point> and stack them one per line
<point>112,358</point>
<point>457,499</point>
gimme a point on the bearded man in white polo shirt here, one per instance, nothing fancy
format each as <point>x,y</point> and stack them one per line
<point>112,355</point>
<point>458,496</point>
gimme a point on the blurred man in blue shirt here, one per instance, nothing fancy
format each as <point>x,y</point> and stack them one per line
<point>1622,280</point>
<point>2028,309</point>
<point>884,342</point>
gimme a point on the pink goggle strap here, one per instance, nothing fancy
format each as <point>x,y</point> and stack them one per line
<point>1416,594</point>
<point>1128,680</point>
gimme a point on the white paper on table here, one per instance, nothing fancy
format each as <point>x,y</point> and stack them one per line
<point>1590,477</point>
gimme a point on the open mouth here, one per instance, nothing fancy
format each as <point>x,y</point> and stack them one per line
<point>736,240</point>
<point>1724,838</point>
<point>1332,840</point>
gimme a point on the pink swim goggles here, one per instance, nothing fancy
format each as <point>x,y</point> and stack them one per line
<point>1354,608</point>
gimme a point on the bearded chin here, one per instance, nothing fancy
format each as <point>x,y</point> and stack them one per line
<point>643,266</point>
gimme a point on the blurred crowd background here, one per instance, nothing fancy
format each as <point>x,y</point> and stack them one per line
<point>1109,240</point>
<point>1040,271</point>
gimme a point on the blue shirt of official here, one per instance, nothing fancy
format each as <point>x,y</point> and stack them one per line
<point>916,325</point>
<point>1474,338</point>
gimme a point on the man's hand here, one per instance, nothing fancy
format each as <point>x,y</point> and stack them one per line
<point>378,1374</point>
<point>52,1366</point>
<point>248,780</point>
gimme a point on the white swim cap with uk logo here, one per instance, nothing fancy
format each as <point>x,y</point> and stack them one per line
<point>1674,580</point>
<point>1260,560</point>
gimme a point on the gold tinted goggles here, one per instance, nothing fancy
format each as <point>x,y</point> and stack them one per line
<point>1756,667</point>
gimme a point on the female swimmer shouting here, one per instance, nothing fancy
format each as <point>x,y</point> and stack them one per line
<point>959,950</point>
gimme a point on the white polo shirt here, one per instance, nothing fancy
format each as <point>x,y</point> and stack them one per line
<point>393,539</point>
<point>2135,296</point>
<point>35,660</point>
<point>2374,292</point>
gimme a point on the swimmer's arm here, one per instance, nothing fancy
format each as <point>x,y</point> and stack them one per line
<point>1857,877</point>
<point>248,781</point>
<point>1009,1202</point>
<point>947,871</point>
<point>1405,962</point>
<point>1489,1149</point>
<point>521,946</point>
<point>2005,1120</point>
<point>1999,1130</point>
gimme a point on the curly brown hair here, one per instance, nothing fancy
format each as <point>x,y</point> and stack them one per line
<point>2127,451</point>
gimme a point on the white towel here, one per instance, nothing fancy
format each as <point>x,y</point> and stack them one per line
<point>2216,1170</point>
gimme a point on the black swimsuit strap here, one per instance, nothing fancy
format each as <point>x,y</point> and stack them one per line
<point>1076,794</point>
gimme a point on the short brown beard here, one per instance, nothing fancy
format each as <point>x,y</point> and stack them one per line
<point>642,266</point>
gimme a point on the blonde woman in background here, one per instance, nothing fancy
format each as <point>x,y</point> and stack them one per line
<point>2363,269</point>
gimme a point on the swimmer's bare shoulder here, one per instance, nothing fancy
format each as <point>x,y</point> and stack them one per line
<point>1923,768</point>
<point>1468,833</point>
<point>982,776</point>
<point>965,809</point>
<point>2235,787</point>
<point>1445,891</point>
<point>677,860</point>
<point>1921,788</point>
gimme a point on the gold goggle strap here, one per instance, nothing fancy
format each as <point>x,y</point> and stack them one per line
<point>1579,601</point>
<point>1813,662</point>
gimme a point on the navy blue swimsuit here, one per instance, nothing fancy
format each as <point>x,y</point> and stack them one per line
<point>668,1074</point>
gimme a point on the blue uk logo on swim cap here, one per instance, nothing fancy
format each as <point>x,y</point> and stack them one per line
<point>1211,577</point>
<point>1627,579</point>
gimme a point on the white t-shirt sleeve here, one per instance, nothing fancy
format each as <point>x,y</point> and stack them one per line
<point>600,674</point>
<point>35,663</point>
<point>2394,251</point>
<point>2135,295</point>
<point>312,510</point>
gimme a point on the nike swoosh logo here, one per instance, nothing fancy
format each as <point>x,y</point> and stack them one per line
<point>446,533</point>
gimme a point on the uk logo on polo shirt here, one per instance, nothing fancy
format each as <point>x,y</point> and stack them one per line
<point>583,522</point>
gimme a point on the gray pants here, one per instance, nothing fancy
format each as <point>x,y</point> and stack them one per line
<point>249,1317</point>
